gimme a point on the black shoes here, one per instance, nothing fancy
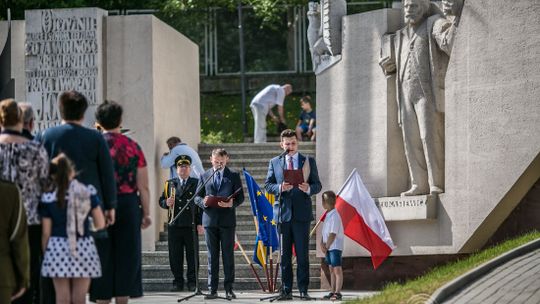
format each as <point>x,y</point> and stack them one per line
<point>212,295</point>
<point>285,296</point>
<point>304,296</point>
<point>328,296</point>
<point>337,296</point>
<point>230,295</point>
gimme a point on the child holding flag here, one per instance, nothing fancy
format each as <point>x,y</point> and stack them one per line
<point>332,244</point>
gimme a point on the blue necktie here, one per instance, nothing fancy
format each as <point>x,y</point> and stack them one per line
<point>217,180</point>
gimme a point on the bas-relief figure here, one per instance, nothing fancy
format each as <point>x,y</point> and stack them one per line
<point>324,33</point>
<point>418,54</point>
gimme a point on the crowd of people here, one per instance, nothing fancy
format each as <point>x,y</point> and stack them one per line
<point>86,198</point>
<point>79,197</point>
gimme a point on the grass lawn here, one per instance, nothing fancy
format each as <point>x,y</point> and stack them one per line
<point>427,284</point>
<point>221,117</point>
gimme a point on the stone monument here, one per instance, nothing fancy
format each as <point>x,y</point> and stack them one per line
<point>485,91</point>
<point>64,50</point>
<point>418,55</point>
<point>324,33</point>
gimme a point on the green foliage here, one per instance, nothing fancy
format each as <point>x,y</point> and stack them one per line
<point>219,137</point>
<point>430,282</point>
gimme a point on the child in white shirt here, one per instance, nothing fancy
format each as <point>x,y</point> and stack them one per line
<point>332,244</point>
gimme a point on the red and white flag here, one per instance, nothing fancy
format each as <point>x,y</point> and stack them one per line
<point>362,221</point>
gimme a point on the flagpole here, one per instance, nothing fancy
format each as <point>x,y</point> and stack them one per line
<point>346,181</point>
<point>271,289</point>
<point>317,225</point>
<point>250,264</point>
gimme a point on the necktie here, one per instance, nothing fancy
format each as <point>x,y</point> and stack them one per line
<point>291,166</point>
<point>217,180</point>
<point>183,183</point>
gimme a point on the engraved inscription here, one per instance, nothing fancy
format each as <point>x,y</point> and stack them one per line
<point>63,52</point>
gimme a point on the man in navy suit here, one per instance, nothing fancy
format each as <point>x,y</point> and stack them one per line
<point>294,210</point>
<point>220,221</point>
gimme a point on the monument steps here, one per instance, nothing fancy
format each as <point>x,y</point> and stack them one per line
<point>254,157</point>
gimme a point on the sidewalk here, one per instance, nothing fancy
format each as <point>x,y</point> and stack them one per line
<point>243,297</point>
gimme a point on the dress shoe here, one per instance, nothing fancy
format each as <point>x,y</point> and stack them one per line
<point>304,295</point>
<point>230,295</point>
<point>212,295</point>
<point>435,190</point>
<point>285,296</point>
<point>415,190</point>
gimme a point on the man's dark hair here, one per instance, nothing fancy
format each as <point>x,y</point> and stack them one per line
<point>109,114</point>
<point>329,197</point>
<point>219,152</point>
<point>173,140</point>
<point>306,99</point>
<point>287,133</point>
<point>72,105</point>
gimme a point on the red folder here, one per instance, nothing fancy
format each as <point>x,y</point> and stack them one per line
<point>294,177</point>
<point>212,201</point>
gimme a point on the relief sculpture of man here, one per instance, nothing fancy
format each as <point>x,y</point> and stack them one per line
<point>418,54</point>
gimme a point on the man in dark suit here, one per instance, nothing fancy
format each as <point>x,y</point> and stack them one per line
<point>220,221</point>
<point>90,155</point>
<point>293,210</point>
<point>176,195</point>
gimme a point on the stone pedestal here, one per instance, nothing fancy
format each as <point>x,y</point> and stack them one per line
<point>408,208</point>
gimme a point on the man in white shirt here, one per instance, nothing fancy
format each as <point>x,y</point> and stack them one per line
<point>262,105</point>
<point>177,148</point>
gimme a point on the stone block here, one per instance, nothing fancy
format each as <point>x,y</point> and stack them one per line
<point>64,50</point>
<point>408,208</point>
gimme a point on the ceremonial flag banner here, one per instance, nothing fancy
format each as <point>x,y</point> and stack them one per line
<point>362,220</point>
<point>266,225</point>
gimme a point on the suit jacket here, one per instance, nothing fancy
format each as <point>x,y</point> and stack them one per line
<point>295,204</point>
<point>220,217</point>
<point>182,196</point>
<point>90,155</point>
<point>14,252</point>
<point>432,76</point>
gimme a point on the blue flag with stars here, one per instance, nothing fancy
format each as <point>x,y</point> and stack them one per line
<point>263,212</point>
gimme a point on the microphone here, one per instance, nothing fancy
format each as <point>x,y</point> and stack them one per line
<point>284,153</point>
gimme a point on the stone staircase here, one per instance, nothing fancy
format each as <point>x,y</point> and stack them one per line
<point>254,157</point>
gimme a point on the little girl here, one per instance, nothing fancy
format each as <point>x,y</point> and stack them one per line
<point>70,257</point>
<point>332,244</point>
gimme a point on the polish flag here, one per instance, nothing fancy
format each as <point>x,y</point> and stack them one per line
<point>362,220</point>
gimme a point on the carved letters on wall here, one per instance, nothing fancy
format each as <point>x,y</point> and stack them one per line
<point>63,52</point>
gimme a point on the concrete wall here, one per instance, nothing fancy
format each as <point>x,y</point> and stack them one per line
<point>153,71</point>
<point>492,116</point>
<point>492,124</point>
<point>357,114</point>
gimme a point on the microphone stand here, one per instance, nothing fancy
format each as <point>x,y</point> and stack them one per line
<point>191,201</point>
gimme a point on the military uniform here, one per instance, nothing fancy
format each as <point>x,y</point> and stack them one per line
<point>180,234</point>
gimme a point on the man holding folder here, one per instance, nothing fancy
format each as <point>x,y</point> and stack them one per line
<point>219,199</point>
<point>293,178</point>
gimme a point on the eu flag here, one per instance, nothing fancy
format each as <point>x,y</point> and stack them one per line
<point>262,211</point>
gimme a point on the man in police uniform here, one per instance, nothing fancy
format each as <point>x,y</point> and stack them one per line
<point>175,196</point>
